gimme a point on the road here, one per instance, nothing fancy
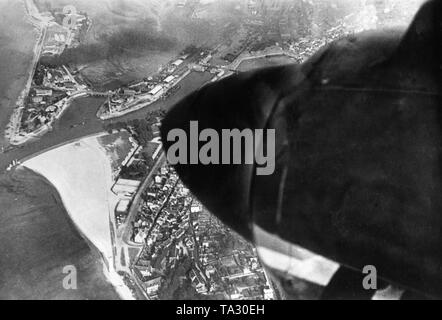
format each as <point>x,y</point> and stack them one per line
<point>122,242</point>
<point>124,232</point>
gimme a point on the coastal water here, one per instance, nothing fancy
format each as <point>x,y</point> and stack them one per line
<point>38,240</point>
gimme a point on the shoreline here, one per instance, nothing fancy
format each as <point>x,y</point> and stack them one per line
<point>13,133</point>
<point>40,211</point>
<point>13,126</point>
<point>106,260</point>
<point>22,57</point>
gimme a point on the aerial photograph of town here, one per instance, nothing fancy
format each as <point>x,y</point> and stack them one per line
<point>85,183</point>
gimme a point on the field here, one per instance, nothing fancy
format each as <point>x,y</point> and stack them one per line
<point>265,62</point>
<point>109,74</point>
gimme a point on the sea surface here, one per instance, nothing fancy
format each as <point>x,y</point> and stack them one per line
<point>38,240</point>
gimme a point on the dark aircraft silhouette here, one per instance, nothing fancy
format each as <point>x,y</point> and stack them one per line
<point>358,175</point>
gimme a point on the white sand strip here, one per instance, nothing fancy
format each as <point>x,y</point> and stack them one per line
<point>82,174</point>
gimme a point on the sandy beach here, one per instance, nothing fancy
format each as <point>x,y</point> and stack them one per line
<point>39,239</point>
<point>81,172</point>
